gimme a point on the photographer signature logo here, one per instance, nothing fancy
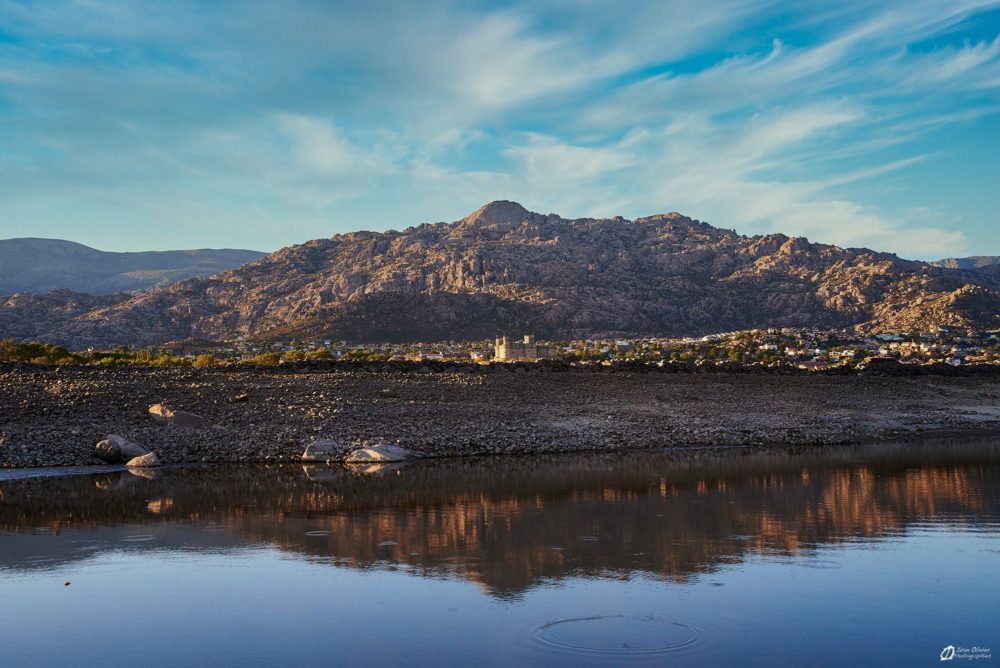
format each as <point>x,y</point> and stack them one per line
<point>950,653</point>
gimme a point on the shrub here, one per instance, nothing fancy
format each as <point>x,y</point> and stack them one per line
<point>320,354</point>
<point>293,356</point>
<point>266,359</point>
<point>203,361</point>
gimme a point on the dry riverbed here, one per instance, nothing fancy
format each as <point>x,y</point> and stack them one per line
<point>53,416</point>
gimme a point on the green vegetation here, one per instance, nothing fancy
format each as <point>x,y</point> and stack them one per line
<point>47,353</point>
<point>37,353</point>
<point>203,361</point>
<point>356,355</point>
<point>266,359</point>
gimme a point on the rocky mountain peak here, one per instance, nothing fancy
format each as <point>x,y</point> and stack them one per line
<point>497,213</point>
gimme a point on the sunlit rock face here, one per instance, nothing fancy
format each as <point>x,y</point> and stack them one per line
<point>504,267</point>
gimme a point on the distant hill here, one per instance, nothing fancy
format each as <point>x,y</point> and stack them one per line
<point>974,262</point>
<point>41,265</point>
<point>506,269</point>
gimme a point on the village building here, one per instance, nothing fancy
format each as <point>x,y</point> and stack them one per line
<point>522,351</point>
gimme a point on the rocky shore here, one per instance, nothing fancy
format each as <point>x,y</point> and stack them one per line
<point>54,416</point>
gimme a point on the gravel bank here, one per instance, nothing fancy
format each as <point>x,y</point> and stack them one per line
<point>53,416</point>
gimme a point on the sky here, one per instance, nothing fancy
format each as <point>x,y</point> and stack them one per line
<point>154,125</point>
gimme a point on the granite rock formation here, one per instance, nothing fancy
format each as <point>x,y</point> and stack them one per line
<point>506,268</point>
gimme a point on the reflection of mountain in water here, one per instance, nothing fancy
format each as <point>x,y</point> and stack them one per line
<point>509,523</point>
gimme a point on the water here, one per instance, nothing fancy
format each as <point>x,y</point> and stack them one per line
<point>845,556</point>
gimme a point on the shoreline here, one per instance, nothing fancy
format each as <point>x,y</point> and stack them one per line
<point>53,416</point>
<point>925,439</point>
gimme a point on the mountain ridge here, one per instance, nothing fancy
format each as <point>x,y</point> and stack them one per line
<point>39,265</point>
<point>971,262</point>
<point>504,268</point>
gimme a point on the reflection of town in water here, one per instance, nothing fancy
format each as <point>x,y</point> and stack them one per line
<point>511,523</point>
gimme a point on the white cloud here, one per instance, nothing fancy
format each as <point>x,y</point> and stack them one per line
<point>374,115</point>
<point>321,148</point>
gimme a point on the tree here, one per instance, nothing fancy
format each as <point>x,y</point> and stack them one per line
<point>266,359</point>
<point>203,361</point>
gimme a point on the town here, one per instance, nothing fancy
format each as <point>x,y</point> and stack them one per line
<point>811,349</point>
<point>803,348</point>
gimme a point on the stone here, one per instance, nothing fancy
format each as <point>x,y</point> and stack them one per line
<point>379,453</point>
<point>127,447</point>
<point>115,449</point>
<point>108,451</point>
<point>148,459</point>
<point>160,413</point>
<point>323,449</point>
<point>185,419</point>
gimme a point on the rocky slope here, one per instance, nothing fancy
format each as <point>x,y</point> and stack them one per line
<point>41,265</point>
<point>503,268</point>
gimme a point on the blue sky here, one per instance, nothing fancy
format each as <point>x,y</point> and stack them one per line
<point>153,125</point>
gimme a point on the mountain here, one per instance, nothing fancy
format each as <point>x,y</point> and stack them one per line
<point>974,262</point>
<point>41,265</point>
<point>506,269</point>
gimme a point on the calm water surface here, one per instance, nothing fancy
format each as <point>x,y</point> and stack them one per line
<point>860,556</point>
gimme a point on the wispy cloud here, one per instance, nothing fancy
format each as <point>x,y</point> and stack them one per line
<point>293,120</point>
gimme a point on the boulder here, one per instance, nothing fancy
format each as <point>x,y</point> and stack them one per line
<point>115,449</point>
<point>323,450</point>
<point>148,459</point>
<point>127,447</point>
<point>185,419</point>
<point>160,413</point>
<point>379,453</point>
<point>107,450</point>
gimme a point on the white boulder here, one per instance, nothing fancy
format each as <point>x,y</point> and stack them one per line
<point>148,459</point>
<point>322,450</point>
